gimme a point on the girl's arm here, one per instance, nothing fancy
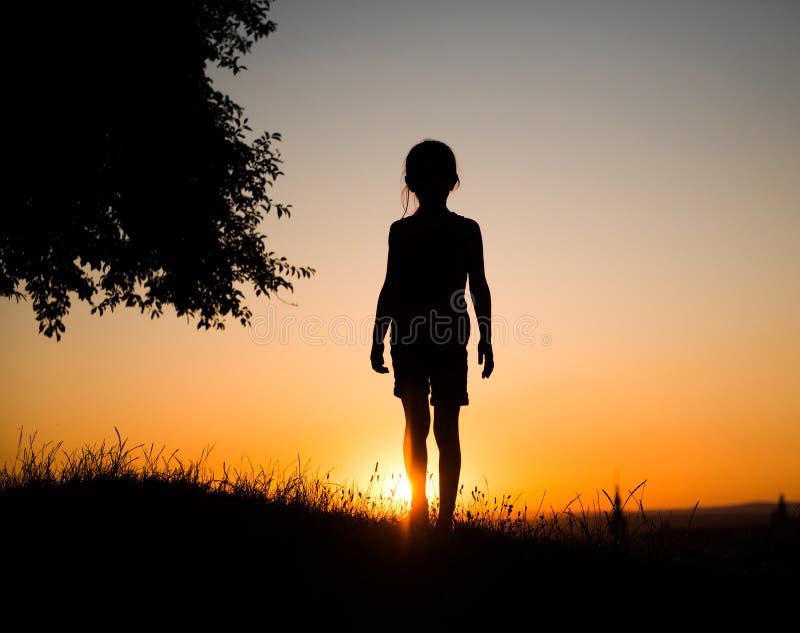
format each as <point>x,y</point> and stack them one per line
<point>482,300</point>
<point>383,311</point>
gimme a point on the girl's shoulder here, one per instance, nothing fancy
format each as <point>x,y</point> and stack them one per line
<point>410,227</point>
<point>463,219</point>
<point>450,217</point>
<point>468,225</point>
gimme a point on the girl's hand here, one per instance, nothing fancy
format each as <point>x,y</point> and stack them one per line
<point>376,358</point>
<point>485,358</point>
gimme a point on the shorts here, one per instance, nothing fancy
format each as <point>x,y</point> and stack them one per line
<point>440,370</point>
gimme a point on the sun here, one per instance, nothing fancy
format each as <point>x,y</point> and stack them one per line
<point>404,490</point>
<point>400,490</point>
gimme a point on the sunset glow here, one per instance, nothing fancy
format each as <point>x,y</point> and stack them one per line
<point>634,173</point>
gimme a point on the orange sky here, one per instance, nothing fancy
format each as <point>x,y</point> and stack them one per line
<point>634,172</point>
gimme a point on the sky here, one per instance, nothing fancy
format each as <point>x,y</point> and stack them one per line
<point>633,167</point>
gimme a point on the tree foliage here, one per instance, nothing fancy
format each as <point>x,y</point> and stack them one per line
<point>131,179</point>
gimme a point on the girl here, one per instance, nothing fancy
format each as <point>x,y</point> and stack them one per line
<point>432,253</point>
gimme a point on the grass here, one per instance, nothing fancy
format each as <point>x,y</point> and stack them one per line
<point>48,465</point>
<point>131,538</point>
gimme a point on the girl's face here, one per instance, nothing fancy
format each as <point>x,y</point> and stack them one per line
<point>431,188</point>
<point>430,184</point>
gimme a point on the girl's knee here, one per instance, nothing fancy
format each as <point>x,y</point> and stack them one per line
<point>417,430</point>
<point>446,438</point>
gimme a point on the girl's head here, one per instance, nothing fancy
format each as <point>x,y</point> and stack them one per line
<point>430,174</point>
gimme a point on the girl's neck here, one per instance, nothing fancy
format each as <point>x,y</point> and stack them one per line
<point>432,209</point>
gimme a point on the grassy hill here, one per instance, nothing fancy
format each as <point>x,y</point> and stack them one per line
<point>104,539</point>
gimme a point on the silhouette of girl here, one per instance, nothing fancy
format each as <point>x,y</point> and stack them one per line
<point>432,253</point>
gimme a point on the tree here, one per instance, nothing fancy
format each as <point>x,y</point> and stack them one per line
<point>131,180</point>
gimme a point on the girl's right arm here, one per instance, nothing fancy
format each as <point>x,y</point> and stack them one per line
<point>482,300</point>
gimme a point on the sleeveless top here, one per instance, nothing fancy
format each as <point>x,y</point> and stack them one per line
<point>427,276</point>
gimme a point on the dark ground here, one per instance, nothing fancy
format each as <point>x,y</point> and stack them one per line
<point>131,556</point>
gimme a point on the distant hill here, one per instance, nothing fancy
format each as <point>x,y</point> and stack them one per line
<point>741,515</point>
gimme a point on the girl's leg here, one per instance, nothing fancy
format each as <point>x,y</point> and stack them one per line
<point>445,429</point>
<point>415,450</point>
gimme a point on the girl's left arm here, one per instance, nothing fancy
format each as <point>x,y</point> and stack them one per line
<point>383,311</point>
